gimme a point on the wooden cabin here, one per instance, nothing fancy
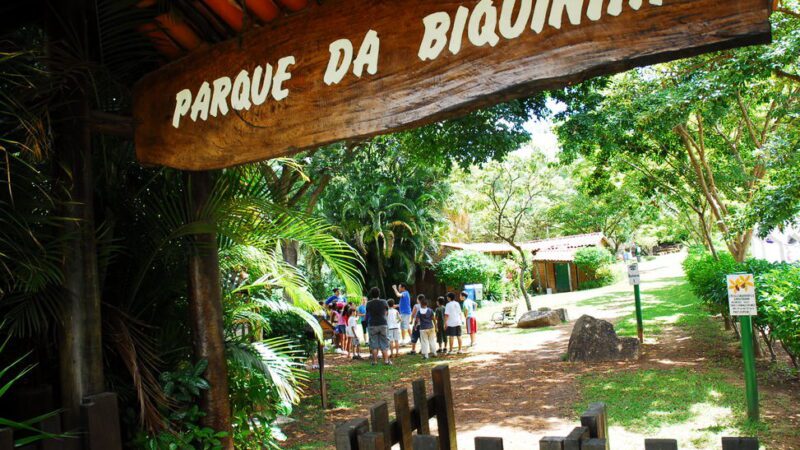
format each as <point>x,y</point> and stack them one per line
<point>553,259</point>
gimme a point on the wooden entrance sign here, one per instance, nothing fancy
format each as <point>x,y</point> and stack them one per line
<point>351,69</point>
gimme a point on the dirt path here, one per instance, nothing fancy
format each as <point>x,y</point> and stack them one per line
<point>515,385</point>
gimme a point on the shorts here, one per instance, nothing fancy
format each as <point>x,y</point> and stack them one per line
<point>340,329</point>
<point>453,331</point>
<point>440,336</point>
<point>394,334</point>
<point>472,325</point>
<point>364,328</point>
<point>405,321</point>
<point>354,341</point>
<point>378,339</point>
<point>415,336</point>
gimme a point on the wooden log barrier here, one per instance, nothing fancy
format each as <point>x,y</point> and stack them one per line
<point>660,444</point>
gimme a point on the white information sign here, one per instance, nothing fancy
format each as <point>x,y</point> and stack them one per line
<point>742,295</point>
<point>633,274</point>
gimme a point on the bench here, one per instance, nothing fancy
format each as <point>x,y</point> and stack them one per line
<point>506,317</point>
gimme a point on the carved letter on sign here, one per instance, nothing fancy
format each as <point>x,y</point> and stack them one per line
<point>351,69</point>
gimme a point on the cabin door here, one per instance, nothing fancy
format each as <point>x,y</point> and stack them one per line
<point>563,283</point>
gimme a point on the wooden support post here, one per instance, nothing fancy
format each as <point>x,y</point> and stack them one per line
<point>402,414</point>
<point>346,434</point>
<point>739,443</point>
<point>80,341</point>
<point>445,410</point>
<point>371,441</point>
<point>488,443</point>
<point>205,311</point>
<point>421,406</point>
<point>379,422</point>
<point>660,444</point>
<point>426,442</point>
<point>323,388</point>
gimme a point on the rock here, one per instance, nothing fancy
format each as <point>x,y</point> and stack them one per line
<point>539,319</point>
<point>562,313</point>
<point>595,340</point>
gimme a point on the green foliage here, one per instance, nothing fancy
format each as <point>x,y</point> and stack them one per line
<point>592,259</point>
<point>779,305</point>
<point>596,263</point>
<point>291,326</point>
<point>389,207</point>
<point>466,267</point>
<point>183,387</point>
<point>707,276</point>
<point>777,293</point>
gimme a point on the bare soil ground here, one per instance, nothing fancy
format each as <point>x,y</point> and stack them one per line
<point>515,385</point>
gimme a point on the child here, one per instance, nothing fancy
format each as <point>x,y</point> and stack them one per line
<point>393,332</point>
<point>333,316</point>
<point>414,328</point>
<point>441,339</point>
<point>352,335</point>
<point>341,329</point>
<point>363,319</point>
<point>425,328</point>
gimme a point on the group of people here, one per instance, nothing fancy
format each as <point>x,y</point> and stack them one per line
<point>387,325</point>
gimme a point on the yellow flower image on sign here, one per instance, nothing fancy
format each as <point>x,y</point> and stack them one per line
<point>742,295</point>
<point>741,283</point>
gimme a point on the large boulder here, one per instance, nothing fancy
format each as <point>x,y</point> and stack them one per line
<point>539,319</point>
<point>595,340</point>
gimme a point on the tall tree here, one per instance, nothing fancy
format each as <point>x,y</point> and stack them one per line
<point>516,192</point>
<point>707,129</point>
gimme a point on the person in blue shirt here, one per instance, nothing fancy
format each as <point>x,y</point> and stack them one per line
<point>401,291</point>
<point>335,298</point>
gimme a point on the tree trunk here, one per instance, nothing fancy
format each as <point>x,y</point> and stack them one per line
<point>80,347</point>
<point>205,311</point>
<point>290,251</point>
<point>523,269</point>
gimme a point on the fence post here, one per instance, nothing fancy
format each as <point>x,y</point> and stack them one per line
<point>739,443</point>
<point>660,444</point>
<point>426,442</point>
<point>575,438</point>
<point>595,444</point>
<point>488,443</point>
<point>445,411</point>
<point>403,415</point>
<point>101,418</point>
<point>421,405</point>
<point>551,443</point>
<point>346,434</point>
<point>6,439</point>
<point>379,422</point>
<point>371,441</point>
<point>596,420</point>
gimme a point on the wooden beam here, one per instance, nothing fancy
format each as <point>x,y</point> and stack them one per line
<point>555,47</point>
<point>111,124</point>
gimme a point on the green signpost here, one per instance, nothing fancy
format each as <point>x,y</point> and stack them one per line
<point>742,303</point>
<point>633,278</point>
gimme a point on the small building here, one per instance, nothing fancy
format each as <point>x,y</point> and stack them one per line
<point>554,259</point>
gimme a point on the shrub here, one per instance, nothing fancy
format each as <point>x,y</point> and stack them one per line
<point>707,277</point>
<point>779,306</point>
<point>465,267</point>
<point>596,263</point>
